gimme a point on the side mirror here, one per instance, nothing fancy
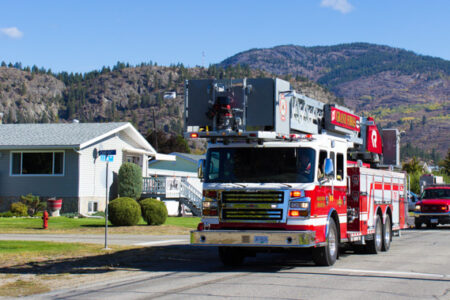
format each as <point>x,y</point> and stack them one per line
<point>200,168</point>
<point>329,168</point>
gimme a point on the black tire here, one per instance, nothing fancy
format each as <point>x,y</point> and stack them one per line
<point>417,223</point>
<point>387,234</point>
<point>327,255</point>
<point>374,246</point>
<point>231,256</point>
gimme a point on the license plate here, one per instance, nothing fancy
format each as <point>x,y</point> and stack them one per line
<point>258,239</point>
<point>434,221</point>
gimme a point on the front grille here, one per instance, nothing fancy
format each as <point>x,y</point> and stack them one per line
<point>252,197</point>
<point>253,214</point>
<point>432,209</point>
<point>252,206</point>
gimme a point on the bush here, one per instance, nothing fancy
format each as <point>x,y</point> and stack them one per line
<point>124,212</point>
<point>130,181</point>
<point>6,214</point>
<point>154,211</point>
<point>33,204</point>
<point>19,209</point>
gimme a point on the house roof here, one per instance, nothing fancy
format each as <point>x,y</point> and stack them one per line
<point>192,157</point>
<point>62,135</point>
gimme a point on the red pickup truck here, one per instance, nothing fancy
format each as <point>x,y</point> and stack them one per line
<point>433,207</point>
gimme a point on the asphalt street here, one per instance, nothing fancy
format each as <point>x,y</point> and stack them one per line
<point>416,267</point>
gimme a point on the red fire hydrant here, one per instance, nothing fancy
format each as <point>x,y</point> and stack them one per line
<point>45,220</point>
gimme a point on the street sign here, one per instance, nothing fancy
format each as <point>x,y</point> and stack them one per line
<point>106,158</point>
<point>107,152</point>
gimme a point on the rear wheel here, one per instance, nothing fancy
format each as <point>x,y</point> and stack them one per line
<point>231,256</point>
<point>374,246</point>
<point>327,255</point>
<point>387,234</point>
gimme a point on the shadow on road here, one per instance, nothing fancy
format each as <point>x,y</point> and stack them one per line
<point>164,258</point>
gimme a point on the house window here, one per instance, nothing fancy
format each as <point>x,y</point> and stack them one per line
<point>37,163</point>
<point>92,206</point>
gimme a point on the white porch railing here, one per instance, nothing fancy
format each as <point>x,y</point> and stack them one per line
<point>189,194</point>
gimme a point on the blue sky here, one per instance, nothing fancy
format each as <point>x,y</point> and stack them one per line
<point>80,36</point>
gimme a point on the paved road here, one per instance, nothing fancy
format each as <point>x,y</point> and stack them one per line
<point>416,267</point>
<point>113,239</point>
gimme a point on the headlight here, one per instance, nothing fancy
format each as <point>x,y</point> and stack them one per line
<point>417,207</point>
<point>301,205</point>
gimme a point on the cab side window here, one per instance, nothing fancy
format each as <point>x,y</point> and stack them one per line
<point>322,156</point>
<point>340,167</point>
<point>332,157</point>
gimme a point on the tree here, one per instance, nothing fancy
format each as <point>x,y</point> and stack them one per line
<point>130,181</point>
<point>445,163</point>
<point>412,166</point>
<point>167,143</point>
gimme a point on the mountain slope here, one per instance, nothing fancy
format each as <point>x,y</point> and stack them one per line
<point>400,88</point>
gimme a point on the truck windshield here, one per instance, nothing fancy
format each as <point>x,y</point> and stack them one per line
<point>436,194</point>
<point>277,165</point>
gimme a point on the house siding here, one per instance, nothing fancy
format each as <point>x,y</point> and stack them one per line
<point>93,172</point>
<point>65,186</point>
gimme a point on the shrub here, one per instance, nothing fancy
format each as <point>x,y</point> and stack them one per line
<point>124,212</point>
<point>19,209</point>
<point>130,181</point>
<point>33,204</point>
<point>6,214</point>
<point>154,211</point>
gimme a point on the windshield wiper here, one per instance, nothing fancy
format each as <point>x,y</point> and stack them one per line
<point>288,185</point>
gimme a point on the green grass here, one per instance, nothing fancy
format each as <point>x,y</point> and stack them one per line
<point>43,248</point>
<point>64,223</point>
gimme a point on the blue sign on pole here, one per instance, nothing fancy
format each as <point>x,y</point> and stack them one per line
<point>107,152</point>
<point>106,158</point>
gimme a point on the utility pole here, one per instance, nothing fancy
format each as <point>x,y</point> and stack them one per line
<point>155,139</point>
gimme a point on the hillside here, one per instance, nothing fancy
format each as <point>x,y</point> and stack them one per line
<point>123,93</point>
<point>400,88</point>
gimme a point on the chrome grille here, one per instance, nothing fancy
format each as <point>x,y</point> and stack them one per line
<point>252,197</point>
<point>252,206</point>
<point>254,214</point>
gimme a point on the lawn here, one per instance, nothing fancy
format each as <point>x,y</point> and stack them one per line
<point>94,225</point>
<point>31,254</point>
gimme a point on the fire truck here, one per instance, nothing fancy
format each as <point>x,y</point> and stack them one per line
<point>286,171</point>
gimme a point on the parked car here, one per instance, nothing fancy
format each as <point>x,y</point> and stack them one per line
<point>412,200</point>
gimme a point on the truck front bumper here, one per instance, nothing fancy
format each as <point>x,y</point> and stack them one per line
<point>250,238</point>
<point>433,218</point>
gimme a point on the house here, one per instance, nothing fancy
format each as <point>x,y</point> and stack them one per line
<point>184,166</point>
<point>175,182</point>
<point>63,161</point>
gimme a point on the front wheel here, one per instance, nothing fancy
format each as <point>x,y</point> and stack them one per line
<point>417,223</point>
<point>374,246</point>
<point>387,234</point>
<point>327,256</point>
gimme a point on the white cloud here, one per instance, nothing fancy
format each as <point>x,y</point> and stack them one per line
<point>12,32</point>
<point>340,5</point>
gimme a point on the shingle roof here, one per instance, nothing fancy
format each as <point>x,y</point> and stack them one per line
<point>53,135</point>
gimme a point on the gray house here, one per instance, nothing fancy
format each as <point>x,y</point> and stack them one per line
<point>61,160</point>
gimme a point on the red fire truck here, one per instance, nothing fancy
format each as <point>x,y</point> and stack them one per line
<point>286,171</point>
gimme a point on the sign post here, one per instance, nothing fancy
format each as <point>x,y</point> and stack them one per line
<point>108,156</point>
